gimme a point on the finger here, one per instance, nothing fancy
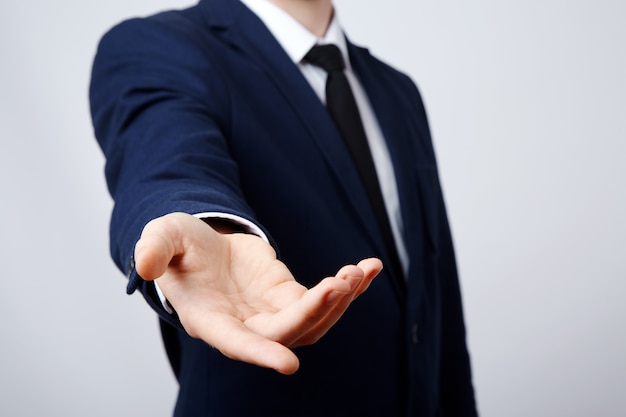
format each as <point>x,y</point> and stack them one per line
<point>370,267</point>
<point>162,240</point>
<point>312,310</point>
<point>236,341</point>
<point>357,282</point>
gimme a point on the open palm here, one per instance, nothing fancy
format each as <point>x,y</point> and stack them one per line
<point>230,290</point>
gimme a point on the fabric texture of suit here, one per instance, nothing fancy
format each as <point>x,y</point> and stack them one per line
<point>201,110</point>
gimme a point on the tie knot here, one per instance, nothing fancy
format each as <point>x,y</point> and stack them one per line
<point>327,57</point>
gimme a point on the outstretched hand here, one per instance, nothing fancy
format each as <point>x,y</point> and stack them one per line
<point>230,290</point>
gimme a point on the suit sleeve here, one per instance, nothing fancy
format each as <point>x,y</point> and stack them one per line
<point>456,389</point>
<point>455,376</point>
<point>160,115</point>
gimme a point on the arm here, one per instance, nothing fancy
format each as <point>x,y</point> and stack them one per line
<point>455,377</point>
<point>161,117</point>
<point>457,391</point>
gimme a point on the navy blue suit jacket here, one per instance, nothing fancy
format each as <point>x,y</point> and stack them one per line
<point>201,110</point>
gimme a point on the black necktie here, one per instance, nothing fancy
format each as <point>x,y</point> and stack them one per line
<point>345,113</point>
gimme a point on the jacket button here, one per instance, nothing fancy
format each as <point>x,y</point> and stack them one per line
<point>414,338</point>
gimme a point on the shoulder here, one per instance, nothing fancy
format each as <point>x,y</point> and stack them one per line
<point>165,32</point>
<point>172,50</point>
<point>361,55</point>
<point>168,57</point>
<point>394,80</point>
<point>388,79</point>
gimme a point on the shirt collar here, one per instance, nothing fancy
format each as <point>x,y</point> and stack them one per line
<point>295,39</point>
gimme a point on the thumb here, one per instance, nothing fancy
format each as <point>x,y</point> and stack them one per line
<point>160,242</point>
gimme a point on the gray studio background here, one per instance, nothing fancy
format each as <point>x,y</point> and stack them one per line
<point>527,101</point>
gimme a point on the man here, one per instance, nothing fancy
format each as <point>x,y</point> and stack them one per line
<point>232,180</point>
